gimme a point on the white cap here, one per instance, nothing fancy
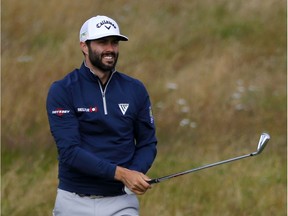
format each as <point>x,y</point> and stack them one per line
<point>99,27</point>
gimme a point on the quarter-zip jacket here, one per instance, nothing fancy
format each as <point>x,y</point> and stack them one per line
<point>96,129</point>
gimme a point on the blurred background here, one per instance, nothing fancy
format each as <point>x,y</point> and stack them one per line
<point>216,71</point>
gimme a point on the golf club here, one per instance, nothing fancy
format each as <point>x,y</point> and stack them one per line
<point>264,138</point>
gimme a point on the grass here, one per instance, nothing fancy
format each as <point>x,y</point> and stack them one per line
<point>216,73</point>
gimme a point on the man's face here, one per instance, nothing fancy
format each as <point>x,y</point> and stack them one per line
<point>103,53</point>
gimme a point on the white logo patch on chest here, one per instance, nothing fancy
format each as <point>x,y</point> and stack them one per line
<point>123,107</point>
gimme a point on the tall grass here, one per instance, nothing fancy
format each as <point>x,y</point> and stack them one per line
<point>216,73</point>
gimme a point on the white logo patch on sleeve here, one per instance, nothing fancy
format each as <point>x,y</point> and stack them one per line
<point>123,107</point>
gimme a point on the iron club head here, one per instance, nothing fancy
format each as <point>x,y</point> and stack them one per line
<point>264,138</point>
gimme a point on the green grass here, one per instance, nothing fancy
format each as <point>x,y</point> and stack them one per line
<point>228,61</point>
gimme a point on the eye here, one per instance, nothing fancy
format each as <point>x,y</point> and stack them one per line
<point>102,41</point>
<point>115,42</point>
<point>106,41</point>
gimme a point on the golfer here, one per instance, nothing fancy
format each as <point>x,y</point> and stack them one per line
<point>102,123</point>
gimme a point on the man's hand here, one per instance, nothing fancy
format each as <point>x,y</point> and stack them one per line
<point>133,180</point>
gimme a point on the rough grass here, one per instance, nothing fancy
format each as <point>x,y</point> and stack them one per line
<point>216,73</point>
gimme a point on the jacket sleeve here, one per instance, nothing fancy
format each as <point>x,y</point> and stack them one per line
<point>64,128</point>
<point>144,132</point>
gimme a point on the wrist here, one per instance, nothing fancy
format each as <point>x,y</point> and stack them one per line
<point>120,173</point>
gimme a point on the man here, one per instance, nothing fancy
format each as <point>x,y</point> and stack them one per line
<point>103,127</point>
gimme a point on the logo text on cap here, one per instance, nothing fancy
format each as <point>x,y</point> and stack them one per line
<point>106,23</point>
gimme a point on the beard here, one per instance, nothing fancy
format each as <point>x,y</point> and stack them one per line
<point>97,61</point>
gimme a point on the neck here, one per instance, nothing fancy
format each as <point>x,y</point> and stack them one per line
<point>102,75</point>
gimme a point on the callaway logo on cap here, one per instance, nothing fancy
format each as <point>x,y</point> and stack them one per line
<point>99,27</point>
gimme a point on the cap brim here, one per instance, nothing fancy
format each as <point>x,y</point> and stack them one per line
<point>121,37</point>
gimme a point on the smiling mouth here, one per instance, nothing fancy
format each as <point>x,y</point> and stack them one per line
<point>109,57</point>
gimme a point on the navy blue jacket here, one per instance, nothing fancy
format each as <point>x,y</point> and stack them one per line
<point>97,128</point>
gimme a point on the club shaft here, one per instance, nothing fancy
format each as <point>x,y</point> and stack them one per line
<point>158,180</point>
<point>265,137</point>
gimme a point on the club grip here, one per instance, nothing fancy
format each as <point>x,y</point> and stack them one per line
<point>153,181</point>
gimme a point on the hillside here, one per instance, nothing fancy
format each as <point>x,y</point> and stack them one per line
<point>216,72</point>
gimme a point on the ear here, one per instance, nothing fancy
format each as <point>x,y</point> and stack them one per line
<point>84,48</point>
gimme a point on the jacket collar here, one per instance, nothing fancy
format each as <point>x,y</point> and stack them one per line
<point>89,74</point>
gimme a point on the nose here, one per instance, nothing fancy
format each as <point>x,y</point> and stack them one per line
<point>110,46</point>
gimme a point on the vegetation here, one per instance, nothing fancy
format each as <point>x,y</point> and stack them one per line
<point>216,73</point>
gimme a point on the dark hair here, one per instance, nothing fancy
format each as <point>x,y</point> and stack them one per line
<point>87,42</point>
